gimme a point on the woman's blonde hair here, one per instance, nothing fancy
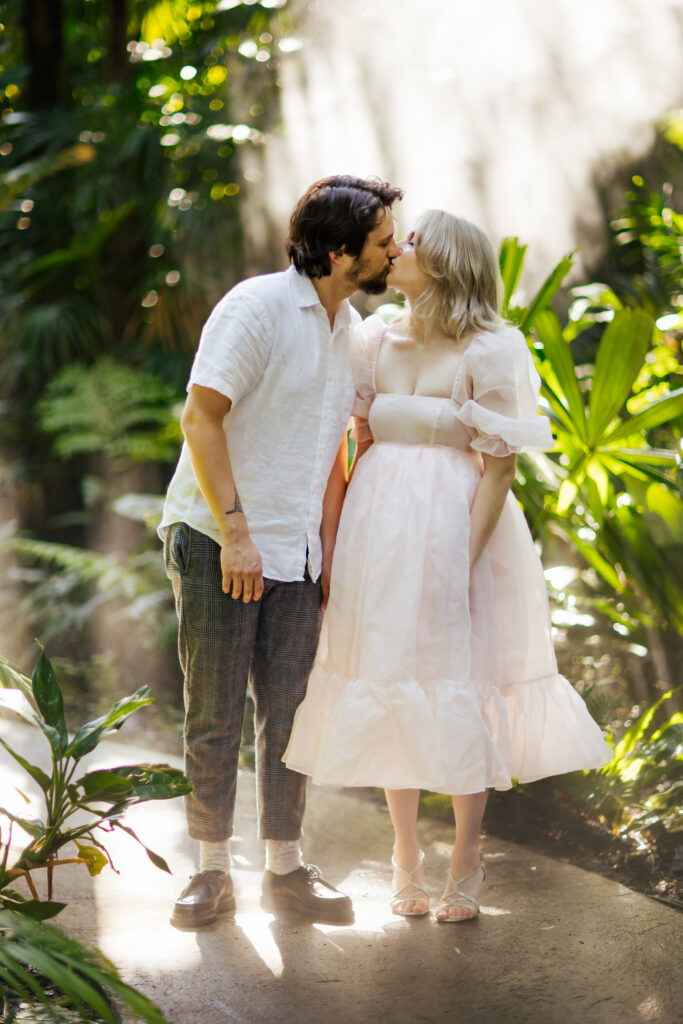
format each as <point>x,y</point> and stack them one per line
<point>464,292</point>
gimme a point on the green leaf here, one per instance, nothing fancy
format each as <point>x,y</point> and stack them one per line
<point>642,469</point>
<point>18,980</point>
<point>76,969</point>
<point>36,910</point>
<point>83,245</point>
<point>89,735</point>
<point>664,410</point>
<point>33,826</point>
<point>74,986</point>
<point>12,679</point>
<point>104,785</point>
<point>566,495</point>
<point>49,697</point>
<point>632,736</point>
<point>558,354</point>
<point>154,781</point>
<point>53,736</point>
<point>646,456</point>
<point>621,354</point>
<point>598,562</point>
<point>510,261</point>
<point>36,773</point>
<point>158,861</point>
<point>15,701</point>
<point>94,858</point>
<point>545,293</point>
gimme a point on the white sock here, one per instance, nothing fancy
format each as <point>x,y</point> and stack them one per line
<point>214,856</point>
<point>283,855</point>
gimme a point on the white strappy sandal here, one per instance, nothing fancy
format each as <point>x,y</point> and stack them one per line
<point>455,897</point>
<point>417,894</point>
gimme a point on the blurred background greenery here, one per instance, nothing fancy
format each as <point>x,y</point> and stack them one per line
<point>126,131</point>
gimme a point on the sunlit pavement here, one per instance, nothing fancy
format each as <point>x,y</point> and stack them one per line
<point>554,944</point>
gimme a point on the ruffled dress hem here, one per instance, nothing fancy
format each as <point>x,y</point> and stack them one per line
<point>439,737</point>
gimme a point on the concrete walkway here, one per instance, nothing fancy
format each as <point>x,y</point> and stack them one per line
<point>554,944</point>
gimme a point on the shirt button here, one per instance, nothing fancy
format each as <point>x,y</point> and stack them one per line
<point>329,378</point>
<point>325,416</point>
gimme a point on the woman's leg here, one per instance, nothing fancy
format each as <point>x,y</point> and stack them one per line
<point>403,804</point>
<point>466,855</point>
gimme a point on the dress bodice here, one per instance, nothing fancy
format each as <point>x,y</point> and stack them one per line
<point>493,406</point>
<point>417,419</point>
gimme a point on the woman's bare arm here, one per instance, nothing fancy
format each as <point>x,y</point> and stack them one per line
<point>332,506</point>
<point>489,500</point>
<point>361,448</point>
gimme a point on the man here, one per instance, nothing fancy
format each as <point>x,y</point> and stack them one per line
<point>249,526</point>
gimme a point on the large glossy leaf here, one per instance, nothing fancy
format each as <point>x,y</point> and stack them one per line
<point>545,293</point>
<point>89,735</point>
<point>557,352</point>
<point>154,781</point>
<point>621,354</point>
<point>668,408</point>
<point>49,697</point>
<point>103,785</point>
<point>36,773</point>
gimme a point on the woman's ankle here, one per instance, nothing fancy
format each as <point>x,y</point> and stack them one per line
<point>406,855</point>
<point>466,857</point>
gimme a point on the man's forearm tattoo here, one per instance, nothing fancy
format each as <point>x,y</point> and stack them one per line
<point>237,507</point>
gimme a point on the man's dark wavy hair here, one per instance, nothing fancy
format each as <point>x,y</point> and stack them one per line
<point>335,214</point>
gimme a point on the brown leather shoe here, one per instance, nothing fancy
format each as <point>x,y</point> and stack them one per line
<point>306,892</point>
<point>208,894</point>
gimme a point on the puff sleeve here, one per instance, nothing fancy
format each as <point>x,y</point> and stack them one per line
<point>497,392</point>
<point>365,341</point>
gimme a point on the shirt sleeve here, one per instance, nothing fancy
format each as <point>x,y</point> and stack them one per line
<point>365,342</point>
<point>234,346</point>
<point>497,391</point>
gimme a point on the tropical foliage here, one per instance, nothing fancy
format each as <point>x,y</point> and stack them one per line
<point>76,811</point>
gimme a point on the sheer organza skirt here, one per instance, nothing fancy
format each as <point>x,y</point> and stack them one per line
<point>426,678</point>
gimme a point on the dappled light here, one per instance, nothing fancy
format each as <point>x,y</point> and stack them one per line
<point>150,154</point>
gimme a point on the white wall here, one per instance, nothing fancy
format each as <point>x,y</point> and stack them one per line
<point>496,109</point>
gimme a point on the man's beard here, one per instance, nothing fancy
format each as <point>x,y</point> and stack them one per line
<point>370,285</point>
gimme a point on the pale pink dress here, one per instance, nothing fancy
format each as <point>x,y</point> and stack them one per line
<point>424,679</point>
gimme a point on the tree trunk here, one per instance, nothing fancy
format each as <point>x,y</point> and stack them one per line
<point>44,50</point>
<point>116,29</point>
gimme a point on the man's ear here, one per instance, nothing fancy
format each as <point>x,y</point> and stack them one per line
<point>338,256</point>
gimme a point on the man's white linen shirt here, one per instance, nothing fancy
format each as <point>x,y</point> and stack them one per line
<point>268,347</point>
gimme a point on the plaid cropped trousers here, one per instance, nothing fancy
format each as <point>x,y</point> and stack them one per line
<point>223,645</point>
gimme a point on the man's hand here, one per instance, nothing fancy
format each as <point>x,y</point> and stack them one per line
<point>241,566</point>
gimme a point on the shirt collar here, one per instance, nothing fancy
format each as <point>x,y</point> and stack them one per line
<point>306,295</point>
<point>305,292</point>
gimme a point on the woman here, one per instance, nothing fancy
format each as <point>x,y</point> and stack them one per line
<point>436,668</point>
